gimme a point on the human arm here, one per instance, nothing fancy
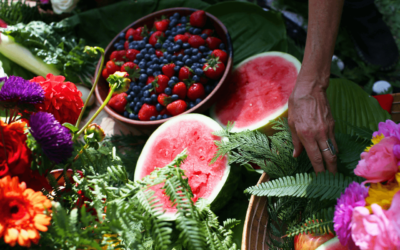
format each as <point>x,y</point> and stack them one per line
<point>310,118</point>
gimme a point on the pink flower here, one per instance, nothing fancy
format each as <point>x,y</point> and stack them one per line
<point>394,217</point>
<point>379,164</point>
<point>388,129</point>
<point>373,231</point>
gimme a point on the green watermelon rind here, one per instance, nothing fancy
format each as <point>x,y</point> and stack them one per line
<point>334,242</point>
<point>264,125</point>
<point>218,198</point>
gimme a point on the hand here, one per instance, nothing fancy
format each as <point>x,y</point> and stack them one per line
<point>311,123</point>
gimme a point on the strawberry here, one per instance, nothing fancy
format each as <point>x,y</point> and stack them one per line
<point>183,38</point>
<point>185,73</point>
<point>161,25</point>
<point>196,41</point>
<point>198,18</point>
<point>155,36</point>
<point>180,90</point>
<point>188,34</point>
<point>177,107</point>
<point>131,54</point>
<point>159,53</point>
<point>208,32</point>
<point>221,55</point>
<point>147,111</point>
<point>168,69</point>
<point>160,83</point>
<point>132,69</point>
<point>203,80</point>
<point>164,112</point>
<point>140,33</point>
<point>182,51</point>
<point>117,56</point>
<point>196,91</point>
<point>126,45</point>
<point>118,102</point>
<point>112,67</point>
<point>150,79</point>
<point>213,69</point>
<point>130,32</point>
<point>213,42</point>
<point>105,73</point>
<point>164,99</point>
<point>121,55</point>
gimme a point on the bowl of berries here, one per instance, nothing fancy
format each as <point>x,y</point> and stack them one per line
<point>178,60</point>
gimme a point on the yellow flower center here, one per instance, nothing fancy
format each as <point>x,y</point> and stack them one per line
<point>375,140</point>
<point>382,194</point>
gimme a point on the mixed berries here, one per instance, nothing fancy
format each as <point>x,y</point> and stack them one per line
<point>172,68</point>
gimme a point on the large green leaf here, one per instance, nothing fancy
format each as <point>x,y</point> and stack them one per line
<point>351,106</point>
<point>252,29</point>
<point>11,68</point>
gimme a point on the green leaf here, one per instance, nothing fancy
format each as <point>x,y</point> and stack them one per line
<point>252,29</point>
<point>13,69</point>
<point>352,106</point>
<point>71,127</point>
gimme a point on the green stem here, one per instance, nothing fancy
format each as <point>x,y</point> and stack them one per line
<point>93,87</point>
<point>97,112</point>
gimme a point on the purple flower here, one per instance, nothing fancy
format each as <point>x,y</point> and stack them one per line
<point>388,128</point>
<point>354,196</point>
<point>55,139</point>
<point>17,89</point>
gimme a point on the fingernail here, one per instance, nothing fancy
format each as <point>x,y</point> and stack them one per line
<point>294,152</point>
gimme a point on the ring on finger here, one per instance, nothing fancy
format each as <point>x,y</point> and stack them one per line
<point>330,147</point>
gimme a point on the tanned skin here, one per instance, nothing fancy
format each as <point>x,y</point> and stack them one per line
<point>310,119</point>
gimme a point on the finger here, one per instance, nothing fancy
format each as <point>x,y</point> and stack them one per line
<point>314,153</point>
<point>298,147</point>
<point>329,158</point>
<point>332,136</point>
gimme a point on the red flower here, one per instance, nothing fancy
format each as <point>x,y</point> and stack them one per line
<point>15,156</point>
<point>3,24</point>
<point>62,99</point>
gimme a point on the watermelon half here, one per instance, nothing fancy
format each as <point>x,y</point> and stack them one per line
<point>213,182</point>
<point>332,244</point>
<point>258,91</point>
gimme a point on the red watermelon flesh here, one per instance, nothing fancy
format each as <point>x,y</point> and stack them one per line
<point>258,91</point>
<point>194,135</point>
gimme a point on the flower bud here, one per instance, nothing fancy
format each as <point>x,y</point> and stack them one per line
<point>121,80</point>
<point>97,131</point>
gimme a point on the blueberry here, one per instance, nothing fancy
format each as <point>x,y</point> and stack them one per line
<point>173,29</point>
<point>183,19</point>
<point>195,51</point>
<point>175,79</point>
<point>177,47</point>
<point>151,51</point>
<point>148,46</point>
<point>147,57</point>
<point>150,72</point>
<point>176,15</point>
<point>136,99</point>
<point>202,48</point>
<point>130,38</point>
<point>198,100</point>
<point>146,94</point>
<point>154,98</point>
<point>159,107</point>
<point>196,78</point>
<point>136,88</point>
<point>161,58</point>
<point>174,97</point>
<point>191,29</point>
<point>179,63</point>
<point>157,46</point>
<point>141,100</point>
<point>157,73</point>
<point>203,60</point>
<point>185,58</point>
<point>181,30</point>
<point>147,100</point>
<point>222,46</point>
<point>142,65</point>
<point>167,32</point>
<point>135,61</point>
<point>143,78</point>
<point>132,105</point>
<point>180,56</point>
<point>208,89</point>
<point>145,40</point>
<point>159,117</point>
<point>191,105</point>
<point>199,72</point>
<point>165,116</point>
<point>174,58</point>
<point>157,67</point>
<point>168,91</point>
<point>120,47</point>
<point>186,45</point>
<point>116,45</point>
<point>121,35</point>
<point>194,58</point>
<point>189,62</point>
<point>174,33</point>
<point>196,31</point>
<point>171,38</point>
<point>126,114</point>
<point>179,42</point>
<point>148,63</point>
<point>165,61</point>
<point>204,36</point>
<point>142,71</point>
<point>151,33</point>
<point>168,57</point>
<point>171,83</point>
<point>131,46</point>
<point>173,23</point>
<point>136,109</point>
<point>170,49</point>
<point>130,98</point>
<point>139,56</point>
<point>165,45</point>
<point>187,51</point>
<point>153,118</point>
<point>141,45</point>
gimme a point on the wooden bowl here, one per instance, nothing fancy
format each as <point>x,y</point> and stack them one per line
<point>148,126</point>
<point>255,226</point>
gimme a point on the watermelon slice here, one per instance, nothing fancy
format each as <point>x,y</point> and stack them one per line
<point>259,91</point>
<point>213,182</point>
<point>332,244</point>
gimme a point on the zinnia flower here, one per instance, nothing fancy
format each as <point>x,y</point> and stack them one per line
<point>62,99</point>
<point>394,217</point>
<point>55,139</point>
<point>374,231</point>
<point>353,196</point>
<point>388,129</point>
<point>22,213</point>
<point>382,194</point>
<point>15,156</point>
<point>380,163</point>
<point>18,90</point>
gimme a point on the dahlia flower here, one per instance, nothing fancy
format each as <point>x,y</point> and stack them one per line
<point>388,128</point>
<point>22,213</point>
<point>16,89</point>
<point>353,196</point>
<point>55,139</point>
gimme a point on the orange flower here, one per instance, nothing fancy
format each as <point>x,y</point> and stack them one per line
<point>22,213</point>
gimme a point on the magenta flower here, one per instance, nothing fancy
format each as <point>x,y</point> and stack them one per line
<point>388,128</point>
<point>17,90</point>
<point>353,196</point>
<point>44,1</point>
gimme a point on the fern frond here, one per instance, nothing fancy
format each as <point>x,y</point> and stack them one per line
<point>319,223</point>
<point>325,185</point>
<point>230,223</point>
